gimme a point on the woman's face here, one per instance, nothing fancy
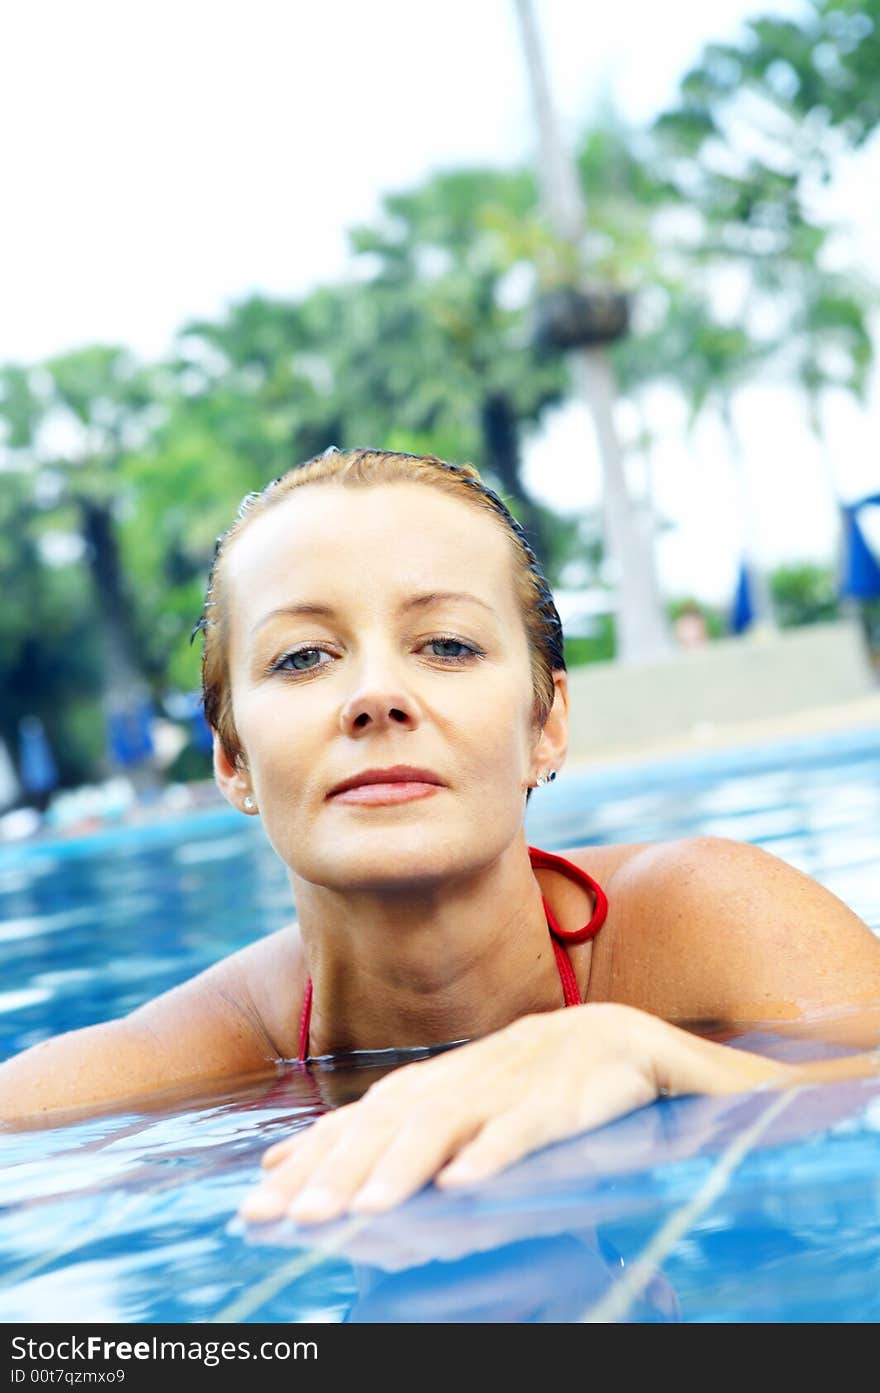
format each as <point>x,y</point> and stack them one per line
<point>374,627</point>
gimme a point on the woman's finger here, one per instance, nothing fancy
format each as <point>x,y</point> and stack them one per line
<point>421,1146</point>
<point>323,1192</point>
<point>270,1198</point>
<point>500,1142</point>
<point>389,1151</point>
<point>316,1180</point>
<point>280,1150</point>
<point>543,1118</point>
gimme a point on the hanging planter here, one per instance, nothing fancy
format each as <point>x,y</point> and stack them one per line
<point>569,318</point>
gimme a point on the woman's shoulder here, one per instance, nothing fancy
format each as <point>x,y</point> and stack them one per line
<point>645,866</point>
<point>602,861</point>
<point>708,927</point>
<point>242,1005</point>
<point>693,883</point>
<point>659,945</point>
<point>272,974</point>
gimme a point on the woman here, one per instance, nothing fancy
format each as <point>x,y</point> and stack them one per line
<point>384,674</point>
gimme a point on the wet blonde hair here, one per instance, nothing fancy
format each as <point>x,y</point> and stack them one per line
<point>360,469</point>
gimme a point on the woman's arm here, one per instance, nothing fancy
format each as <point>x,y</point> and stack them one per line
<point>460,1117</point>
<point>706,929</point>
<point>206,1029</point>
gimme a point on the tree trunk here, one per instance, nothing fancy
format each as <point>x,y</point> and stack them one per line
<point>501,441</point>
<point>642,631</point>
<point>829,471</point>
<point>124,683</point>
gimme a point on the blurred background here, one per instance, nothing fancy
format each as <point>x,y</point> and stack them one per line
<point>624,260</point>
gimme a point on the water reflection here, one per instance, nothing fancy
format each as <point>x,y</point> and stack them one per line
<point>127,1216</point>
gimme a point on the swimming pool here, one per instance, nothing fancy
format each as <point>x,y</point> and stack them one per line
<point>756,1208</point>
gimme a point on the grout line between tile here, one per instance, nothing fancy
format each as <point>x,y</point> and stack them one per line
<point>252,1298</point>
<point>615,1305</point>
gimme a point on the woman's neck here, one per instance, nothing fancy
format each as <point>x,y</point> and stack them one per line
<point>444,961</point>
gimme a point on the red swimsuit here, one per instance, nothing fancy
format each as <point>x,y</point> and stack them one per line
<point>540,860</point>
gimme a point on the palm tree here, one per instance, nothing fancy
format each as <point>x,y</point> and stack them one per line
<point>642,632</point>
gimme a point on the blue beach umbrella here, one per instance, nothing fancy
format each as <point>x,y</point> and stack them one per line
<point>861,571</point>
<point>202,736</point>
<point>39,773</point>
<point>130,735</point>
<point>190,707</point>
<point>742,614</point>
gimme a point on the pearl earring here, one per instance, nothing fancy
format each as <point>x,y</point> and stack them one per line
<point>249,804</point>
<point>544,779</point>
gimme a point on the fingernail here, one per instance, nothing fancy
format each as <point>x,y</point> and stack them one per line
<point>458,1175</point>
<point>262,1203</point>
<point>315,1202</point>
<point>372,1198</point>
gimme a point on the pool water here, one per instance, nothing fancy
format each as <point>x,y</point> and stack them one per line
<point>763,1207</point>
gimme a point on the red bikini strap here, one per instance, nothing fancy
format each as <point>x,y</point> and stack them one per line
<point>546,860</point>
<point>571,992</point>
<point>304,1022</point>
<point>540,860</point>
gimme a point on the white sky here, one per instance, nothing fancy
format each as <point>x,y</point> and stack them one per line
<point>161,160</point>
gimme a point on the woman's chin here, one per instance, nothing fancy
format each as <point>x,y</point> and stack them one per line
<point>388,859</point>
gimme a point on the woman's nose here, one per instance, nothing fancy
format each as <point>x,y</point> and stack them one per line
<point>377,707</point>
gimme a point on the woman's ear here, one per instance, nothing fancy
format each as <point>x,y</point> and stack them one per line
<point>552,745</point>
<point>232,779</point>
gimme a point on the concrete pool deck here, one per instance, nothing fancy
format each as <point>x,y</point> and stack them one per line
<point>730,693</point>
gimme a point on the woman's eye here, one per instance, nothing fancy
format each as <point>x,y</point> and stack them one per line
<point>299,661</point>
<point>302,660</point>
<point>451,648</point>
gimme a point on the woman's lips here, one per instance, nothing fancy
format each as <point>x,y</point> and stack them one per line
<point>376,794</point>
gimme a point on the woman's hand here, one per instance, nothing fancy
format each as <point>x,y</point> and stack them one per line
<point>465,1115</point>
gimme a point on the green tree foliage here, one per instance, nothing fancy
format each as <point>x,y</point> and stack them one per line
<point>69,424</point>
<point>49,656</point>
<point>816,76</point>
<point>758,129</point>
<point>117,477</point>
<point>445,300</point>
<point>243,404</point>
<point>804,593</point>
